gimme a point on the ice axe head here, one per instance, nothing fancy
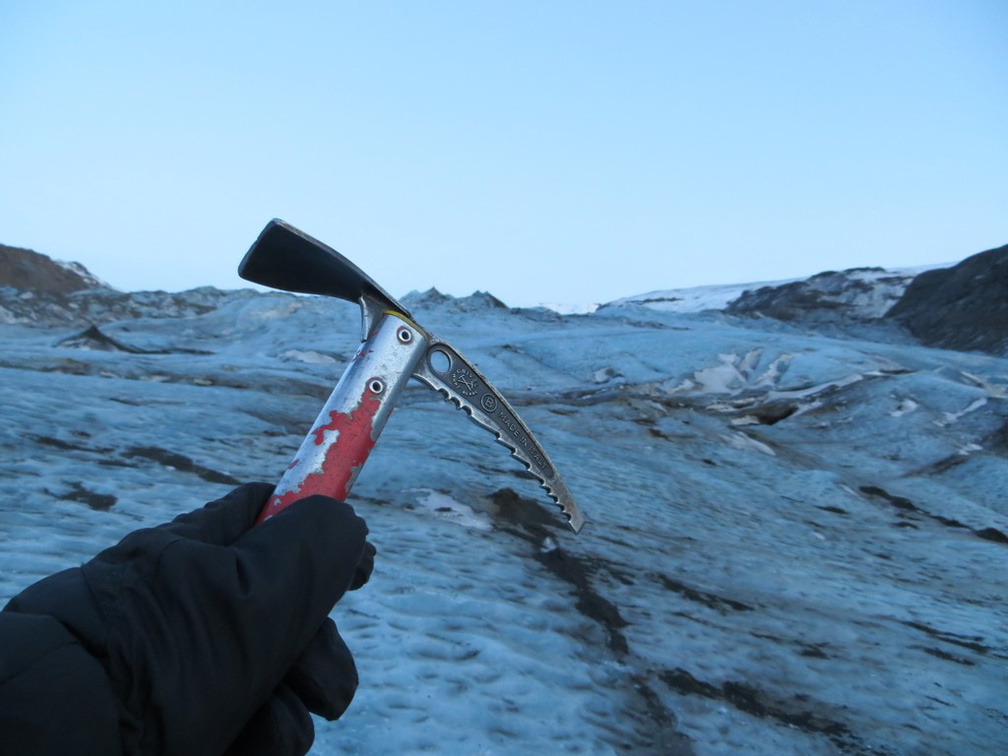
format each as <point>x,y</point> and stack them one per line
<point>285,258</point>
<point>395,349</point>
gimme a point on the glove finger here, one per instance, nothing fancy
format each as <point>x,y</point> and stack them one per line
<point>223,521</point>
<point>316,543</point>
<point>281,726</point>
<point>325,677</point>
<point>364,567</point>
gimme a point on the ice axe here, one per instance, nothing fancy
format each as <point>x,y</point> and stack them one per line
<point>394,348</point>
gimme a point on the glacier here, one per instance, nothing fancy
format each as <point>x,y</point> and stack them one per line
<point>796,537</point>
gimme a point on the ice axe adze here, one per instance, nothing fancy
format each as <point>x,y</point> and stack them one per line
<point>394,348</point>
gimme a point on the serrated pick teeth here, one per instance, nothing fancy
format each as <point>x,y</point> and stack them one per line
<point>563,499</point>
<point>556,490</point>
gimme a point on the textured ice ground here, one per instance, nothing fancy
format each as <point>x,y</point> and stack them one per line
<point>796,541</point>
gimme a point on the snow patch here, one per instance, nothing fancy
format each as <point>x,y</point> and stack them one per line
<point>604,375</point>
<point>950,417</point>
<point>307,356</point>
<point>813,391</point>
<point>570,309</point>
<point>86,275</point>
<point>996,390</point>
<point>775,371</point>
<point>443,506</point>
<point>745,442</point>
<point>720,379</point>
<point>692,300</point>
<point>905,407</point>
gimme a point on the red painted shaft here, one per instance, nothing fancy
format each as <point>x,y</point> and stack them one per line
<point>343,458</point>
<point>345,432</point>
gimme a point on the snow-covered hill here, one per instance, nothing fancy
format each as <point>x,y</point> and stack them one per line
<point>696,299</point>
<point>796,543</point>
<point>860,293</point>
<point>28,270</point>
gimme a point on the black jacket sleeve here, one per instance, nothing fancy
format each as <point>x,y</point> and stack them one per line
<point>54,694</point>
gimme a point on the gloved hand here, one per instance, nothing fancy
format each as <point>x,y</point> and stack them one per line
<point>201,636</point>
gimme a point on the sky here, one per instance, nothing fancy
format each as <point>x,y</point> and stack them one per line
<point>547,152</point>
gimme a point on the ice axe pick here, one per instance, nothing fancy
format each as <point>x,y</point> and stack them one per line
<point>394,348</point>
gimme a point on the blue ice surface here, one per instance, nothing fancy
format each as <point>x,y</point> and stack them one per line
<point>783,554</point>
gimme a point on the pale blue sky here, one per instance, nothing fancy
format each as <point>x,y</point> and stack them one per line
<point>545,151</point>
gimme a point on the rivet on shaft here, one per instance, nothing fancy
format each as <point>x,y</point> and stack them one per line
<point>376,386</point>
<point>405,335</point>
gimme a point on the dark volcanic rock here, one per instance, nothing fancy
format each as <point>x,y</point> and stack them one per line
<point>858,293</point>
<point>964,307</point>
<point>95,338</point>
<point>29,271</point>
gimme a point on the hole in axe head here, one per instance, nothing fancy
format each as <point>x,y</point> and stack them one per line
<point>440,361</point>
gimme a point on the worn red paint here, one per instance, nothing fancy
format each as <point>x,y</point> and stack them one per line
<point>343,458</point>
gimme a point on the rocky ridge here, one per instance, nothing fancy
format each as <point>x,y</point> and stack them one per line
<point>960,307</point>
<point>857,293</point>
<point>963,307</point>
<point>27,270</point>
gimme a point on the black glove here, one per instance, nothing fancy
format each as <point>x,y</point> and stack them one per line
<point>201,636</point>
